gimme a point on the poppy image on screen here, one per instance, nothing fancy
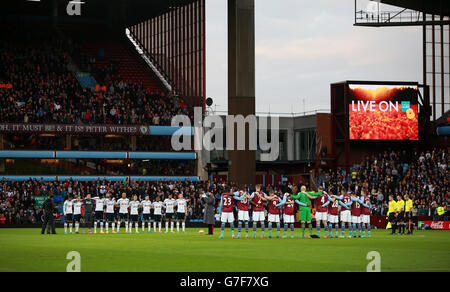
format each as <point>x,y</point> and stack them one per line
<point>383,112</point>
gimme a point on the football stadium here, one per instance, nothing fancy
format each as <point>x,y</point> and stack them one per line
<point>117,153</point>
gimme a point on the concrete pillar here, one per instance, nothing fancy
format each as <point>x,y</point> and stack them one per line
<point>241,82</point>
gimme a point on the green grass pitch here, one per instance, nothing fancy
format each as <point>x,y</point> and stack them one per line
<point>28,250</point>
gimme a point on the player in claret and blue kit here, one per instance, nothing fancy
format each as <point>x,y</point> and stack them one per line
<point>345,202</point>
<point>288,214</point>
<point>365,213</point>
<point>258,201</point>
<point>333,216</point>
<point>322,201</point>
<point>356,214</point>
<point>226,210</point>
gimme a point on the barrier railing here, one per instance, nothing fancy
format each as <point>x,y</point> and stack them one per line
<point>96,155</point>
<point>49,178</point>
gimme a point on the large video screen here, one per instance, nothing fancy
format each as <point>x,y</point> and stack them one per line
<point>383,112</point>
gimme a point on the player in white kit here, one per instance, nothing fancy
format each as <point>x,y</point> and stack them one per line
<point>157,213</point>
<point>146,206</point>
<point>123,204</point>
<point>169,205</point>
<point>77,213</point>
<point>99,207</point>
<point>134,214</point>
<point>181,213</point>
<point>68,214</point>
<point>110,203</point>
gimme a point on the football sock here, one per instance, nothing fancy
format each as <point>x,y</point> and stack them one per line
<point>270,228</point>
<point>222,227</point>
<point>95,227</point>
<point>278,229</point>
<point>239,227</point>
<point>113,226</point>
<point>183,226</point>
<point>358,226</point>
<point>232,228</point>
<point>70,227</point>
<point>262,228</point>
<point>171,226</point>
<point>310,229</point>
<point>318,229</point>
<point>178,226</point>
<point>285,228</point>
<point>77,225</point>
<point>336,229</point>
<point>246,227</point>
<point>292,229</point>
<point>107,226</point>
<point>101,226</point>
<point>325,228</point>
<point>363,227</point>
<point>65,227</point>
<point>354,230</point>
<point>254,227</point>
<point>368,229</point>
<point>167,226</point>
<point>303,229</point>
<point>343,229</point>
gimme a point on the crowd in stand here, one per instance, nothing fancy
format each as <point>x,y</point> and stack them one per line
<point>18,206</point>
<point>44,90</point>
<point>422,175</point>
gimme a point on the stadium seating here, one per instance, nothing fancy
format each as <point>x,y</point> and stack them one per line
<point>130,68</point>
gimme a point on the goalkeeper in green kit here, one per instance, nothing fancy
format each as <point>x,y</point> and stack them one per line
<point>304,198</point>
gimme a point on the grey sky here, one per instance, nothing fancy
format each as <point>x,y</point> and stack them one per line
<point>304,45</point>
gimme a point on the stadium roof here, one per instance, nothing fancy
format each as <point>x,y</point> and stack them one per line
<point>437,7</point>
<point>115,12</point>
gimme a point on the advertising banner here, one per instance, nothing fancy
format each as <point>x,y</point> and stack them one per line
<point>438,225</point>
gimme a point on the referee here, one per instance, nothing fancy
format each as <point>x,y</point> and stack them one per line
<point>408,214</point>
<point>392,213</point>
<point>48,208</point>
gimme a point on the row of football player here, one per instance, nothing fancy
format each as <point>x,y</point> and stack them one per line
<point>350,208</point>
<point>98,206</point>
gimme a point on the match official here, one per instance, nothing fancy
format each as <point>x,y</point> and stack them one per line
<point>48,221</point>
<point>392,213</point>
<point>401,215</point>
<point>408,214</point>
